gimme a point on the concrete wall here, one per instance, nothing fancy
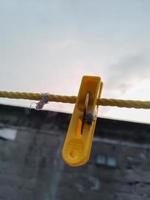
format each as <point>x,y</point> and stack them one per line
<point>31,167</point>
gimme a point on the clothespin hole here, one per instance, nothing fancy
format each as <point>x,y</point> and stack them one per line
<point>72,154</point>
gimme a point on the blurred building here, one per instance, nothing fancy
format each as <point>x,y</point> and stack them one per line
<point>31,167</point>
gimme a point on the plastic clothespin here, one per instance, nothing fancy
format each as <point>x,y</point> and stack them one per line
<point>78,142</point>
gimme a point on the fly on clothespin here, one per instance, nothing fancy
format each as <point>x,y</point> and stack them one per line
<point>78,142</point>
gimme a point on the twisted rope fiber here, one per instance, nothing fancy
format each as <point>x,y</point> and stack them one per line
<point>72,99</point>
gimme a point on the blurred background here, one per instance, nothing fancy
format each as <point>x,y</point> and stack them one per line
<point>32,168</point>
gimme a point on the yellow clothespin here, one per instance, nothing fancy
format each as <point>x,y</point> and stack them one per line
<point>78,142</point>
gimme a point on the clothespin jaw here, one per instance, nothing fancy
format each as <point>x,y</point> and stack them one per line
<point>78,142</point>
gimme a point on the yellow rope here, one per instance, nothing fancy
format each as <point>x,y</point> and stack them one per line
<point>72,99</point>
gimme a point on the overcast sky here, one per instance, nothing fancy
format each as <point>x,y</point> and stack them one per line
<point>47,46</point>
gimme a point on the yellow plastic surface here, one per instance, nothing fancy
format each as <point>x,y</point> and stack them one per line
<point>77,145</point>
